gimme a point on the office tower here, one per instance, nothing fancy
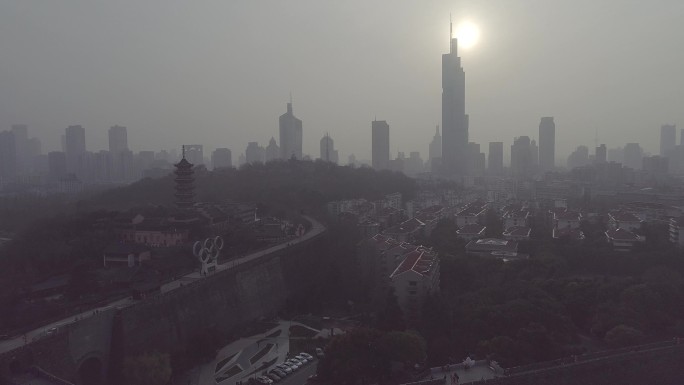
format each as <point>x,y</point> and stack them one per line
<point>194,153</point>
<point>57,165</point>
<point>380,144</point>
<point>601,154</point>
<point>534,154</point>
<point>118,139</point>
<point>657,165</point>
<point>254,153</point>
<point>23,160</point>
<point>221,158</point>
<point>435,150</point>
<point>633,156</point>
<point>290,135</point>
<point>547,144</point>
<point>579,157</point>
<point>454,118</point>
<point>616,155</point>
<point>272,150</point>
<point>75,148</point>
<point>521,162</point>
<point>413,164</point>
<point>475,164</point>
<point>668,138</point>
<point>328,152</point>
<point>8,155</point>
<point>495,161</point>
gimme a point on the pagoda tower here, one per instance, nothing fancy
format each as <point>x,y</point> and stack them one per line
<point>185,178</point>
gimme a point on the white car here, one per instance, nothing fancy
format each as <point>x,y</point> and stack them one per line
<point>264,380</point>
<point>285,368</point>
<point>301,359</point>
<point>293,363</point>
<point>307,356</point>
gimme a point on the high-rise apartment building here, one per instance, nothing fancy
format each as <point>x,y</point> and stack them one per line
<point>221,158</point>
<point>8,156</point>
<point>291,135</point>
<point>454,118</point>
<point>601,154</point>
<point>194,153</point>
<point>118,139</point>
<point>328,152</point>
<point>668,138</point>
<point>75,149</point>
<point>547,144</point>
<point>633,156</point>
<point>521,157</point>
<point>57,165</point>
<point>495,161</point>
<point>435,150</point>
<point>21,150</point>
<point>380,145</point>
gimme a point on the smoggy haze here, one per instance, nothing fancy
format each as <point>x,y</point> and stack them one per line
<point>219,73</point>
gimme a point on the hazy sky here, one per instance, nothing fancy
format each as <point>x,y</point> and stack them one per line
<point>219,73</point>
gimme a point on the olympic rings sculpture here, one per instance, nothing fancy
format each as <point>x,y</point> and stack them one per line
<point>208,252</point>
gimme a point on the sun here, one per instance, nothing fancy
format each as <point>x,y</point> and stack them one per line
<point>467,34</point>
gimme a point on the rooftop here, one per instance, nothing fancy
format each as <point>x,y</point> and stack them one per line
<point>568,233</point>
<point>622,235</point>
<point>421,261</point>
<point>623,216</point>
<point>472,229</point>
<point>492,244</point>
<point>517,231</point>
<point>473,209</point>
<point>567,216</point>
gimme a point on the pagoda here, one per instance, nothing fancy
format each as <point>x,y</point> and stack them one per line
<point>185,178</point>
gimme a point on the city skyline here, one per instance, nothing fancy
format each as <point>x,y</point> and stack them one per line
<point>505,96</point>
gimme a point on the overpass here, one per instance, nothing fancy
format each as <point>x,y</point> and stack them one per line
<point>86,347</point>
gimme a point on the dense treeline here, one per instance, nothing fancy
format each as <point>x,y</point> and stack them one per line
<point>565,299</point>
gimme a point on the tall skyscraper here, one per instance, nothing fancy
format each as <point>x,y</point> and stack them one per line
<point>454,118</point>
<point>435,150</point>
<point>547,144</point>
<point>495,161</point>
<point>290,135</point>
<point>521,157</point>
<point>118,139</point>
<point>328,152</point>
<point>380,145</point>
<point>633,156</point>
<point>194,153</point>
<point>601,154</point>
<point>21,143</point>
<point>75,149</point>
<point>8,156</point>
<point>221,158</point>
<point>668,138</point>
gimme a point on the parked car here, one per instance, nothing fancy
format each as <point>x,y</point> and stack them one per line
<point>264,380</point>
<point>274,377</point>
<point>307,355</point>
<point>285,368</point>
<point>280,372</point>
<point>296,361</point>
<point>301,359</point>
<point>313,379</point>
<point>292,365</point>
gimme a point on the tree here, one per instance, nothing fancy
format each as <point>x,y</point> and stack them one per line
<point>147,369</point>
<point>623,335</point>
<point>391,317</point>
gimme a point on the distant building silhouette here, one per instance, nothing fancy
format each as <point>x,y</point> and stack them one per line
<point>380,142</point>
<point>290,135</point>
<point>454,118</point>
<point>57,165</point>
<point>272,150</point>
<point>495,161</point>
<point>413,164</point>
<point>521,157</point>
<point>254,153</point>
<point>194,154</point>
<point>435,149</point>
<point>633,156</point>
<point>75,149</point>
<point>185,182</point>
<point>601,154</point>
<point>476,159</point>
<point>547,144</point>
<point>8,156</point>
<point>328,152</point>
<point>118,139</point>
<point>221,158</point>
<point>21,142</point>
<point>579,157</point>
<point>668,138</point>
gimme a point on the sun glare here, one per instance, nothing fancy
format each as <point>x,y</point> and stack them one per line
<point>467,34</point>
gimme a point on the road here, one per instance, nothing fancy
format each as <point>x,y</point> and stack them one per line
<point>17,341</point>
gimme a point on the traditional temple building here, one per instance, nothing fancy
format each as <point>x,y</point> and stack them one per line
<point>185,178</point>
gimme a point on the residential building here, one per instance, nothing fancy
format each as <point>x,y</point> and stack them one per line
<point>473,213</point>
<point>668,139</point>
<point>547,144</point>
<point>622,239</point>
<point>221,158</point>
<point>380,145</point>
<point>414,280</point>
<point>495,161</point>
<point>471,231</point>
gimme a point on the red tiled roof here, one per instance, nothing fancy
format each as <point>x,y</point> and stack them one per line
<point>405,227</point>
<point>420,261</point>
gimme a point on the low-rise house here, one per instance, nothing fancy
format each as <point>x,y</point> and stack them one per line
<point>473,213</point>
<point>567,220</point>
<point>517,218</point>
<point>622,239</point>
<point>492,247</point>
<point>568,233</point>
<point>472,231</point>
<point>406,231</point>
<point>517,233</point>
<point>414,279</point>
<point>623,220</point>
